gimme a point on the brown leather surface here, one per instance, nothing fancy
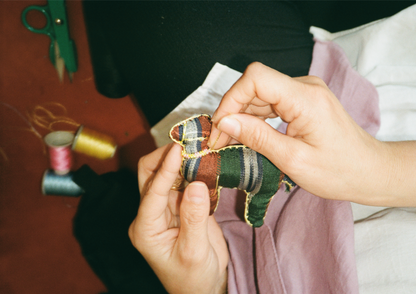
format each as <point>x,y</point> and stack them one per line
<point>38,252</point>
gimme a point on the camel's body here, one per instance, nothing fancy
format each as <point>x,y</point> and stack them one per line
<point>235,166</point>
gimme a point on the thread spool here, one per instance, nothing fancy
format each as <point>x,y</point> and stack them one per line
<point>60,154</point>
<point>94,143</point>
<point>60,185</point>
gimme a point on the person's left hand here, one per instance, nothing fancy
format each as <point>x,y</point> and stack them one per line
<point>174,232</point>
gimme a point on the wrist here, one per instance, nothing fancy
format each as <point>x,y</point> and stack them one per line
<point>400,185</point>
<point>388,181</point>
<point>380,175</point>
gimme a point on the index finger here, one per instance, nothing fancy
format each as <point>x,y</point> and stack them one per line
<point>261,82</point>
<point>156,196</point>
<point>150,163</point>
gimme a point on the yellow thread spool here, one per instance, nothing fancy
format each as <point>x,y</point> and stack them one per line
<point>94,144</point>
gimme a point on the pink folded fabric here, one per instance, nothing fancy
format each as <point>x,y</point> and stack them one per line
<point>307,243</point>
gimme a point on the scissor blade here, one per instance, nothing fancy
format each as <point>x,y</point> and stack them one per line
<point>61,30</point>
<point>59,63</point>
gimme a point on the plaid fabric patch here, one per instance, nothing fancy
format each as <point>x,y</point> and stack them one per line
<point>232,167</point>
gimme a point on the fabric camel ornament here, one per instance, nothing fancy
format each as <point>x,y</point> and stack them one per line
<point>234,166</point>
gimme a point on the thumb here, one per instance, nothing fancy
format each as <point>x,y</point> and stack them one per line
<point>194,213</point>
<point>258,135</point>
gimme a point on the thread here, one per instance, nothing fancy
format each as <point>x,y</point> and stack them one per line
<point>94,143</point>
<point>198,154</point>
<point>45,118</point>
<point>60,185</point>
<point>216,140</point>
<point>60,153</point>
<point>30,129</point>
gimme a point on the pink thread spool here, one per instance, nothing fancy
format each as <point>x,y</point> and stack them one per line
<point>60,153</point>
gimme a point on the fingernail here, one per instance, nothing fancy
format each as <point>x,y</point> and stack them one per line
<point>230,126</point>
<point>211,140</point>
<point>196,192</point>
<point>214,117</point>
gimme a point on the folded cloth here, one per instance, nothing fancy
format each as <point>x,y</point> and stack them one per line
<point>307,243</point>
<point>384,53</point>
<point>385,251</point>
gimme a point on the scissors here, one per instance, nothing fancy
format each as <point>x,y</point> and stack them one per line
<point>62,52</point>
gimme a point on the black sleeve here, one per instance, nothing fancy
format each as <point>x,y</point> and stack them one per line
<point>165,49</point>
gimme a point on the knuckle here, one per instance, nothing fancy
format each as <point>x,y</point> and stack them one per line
<point>255,67</point>
<point>140,237</point>
<point>314,80</point>
<point>320,96</point>
<point>135,239</point>
<point>130,232</point>
<point>318,89</point>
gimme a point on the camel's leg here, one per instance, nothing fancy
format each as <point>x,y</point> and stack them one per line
<point>256,208</point>
<point>256,205</point>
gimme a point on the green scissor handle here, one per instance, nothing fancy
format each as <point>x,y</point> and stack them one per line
<point>47,29</point>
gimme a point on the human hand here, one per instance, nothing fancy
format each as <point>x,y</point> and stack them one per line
<point>173,231</point>
<point>324,151</point>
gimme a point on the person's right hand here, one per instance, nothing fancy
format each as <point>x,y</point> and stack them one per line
<point>324,151</point>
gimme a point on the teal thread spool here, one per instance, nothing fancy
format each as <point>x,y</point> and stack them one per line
<point>60,185</point>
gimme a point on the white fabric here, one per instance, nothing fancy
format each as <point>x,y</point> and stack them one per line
<point>205,99</point>
<point>384,52</point>
<point>385,249</point>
